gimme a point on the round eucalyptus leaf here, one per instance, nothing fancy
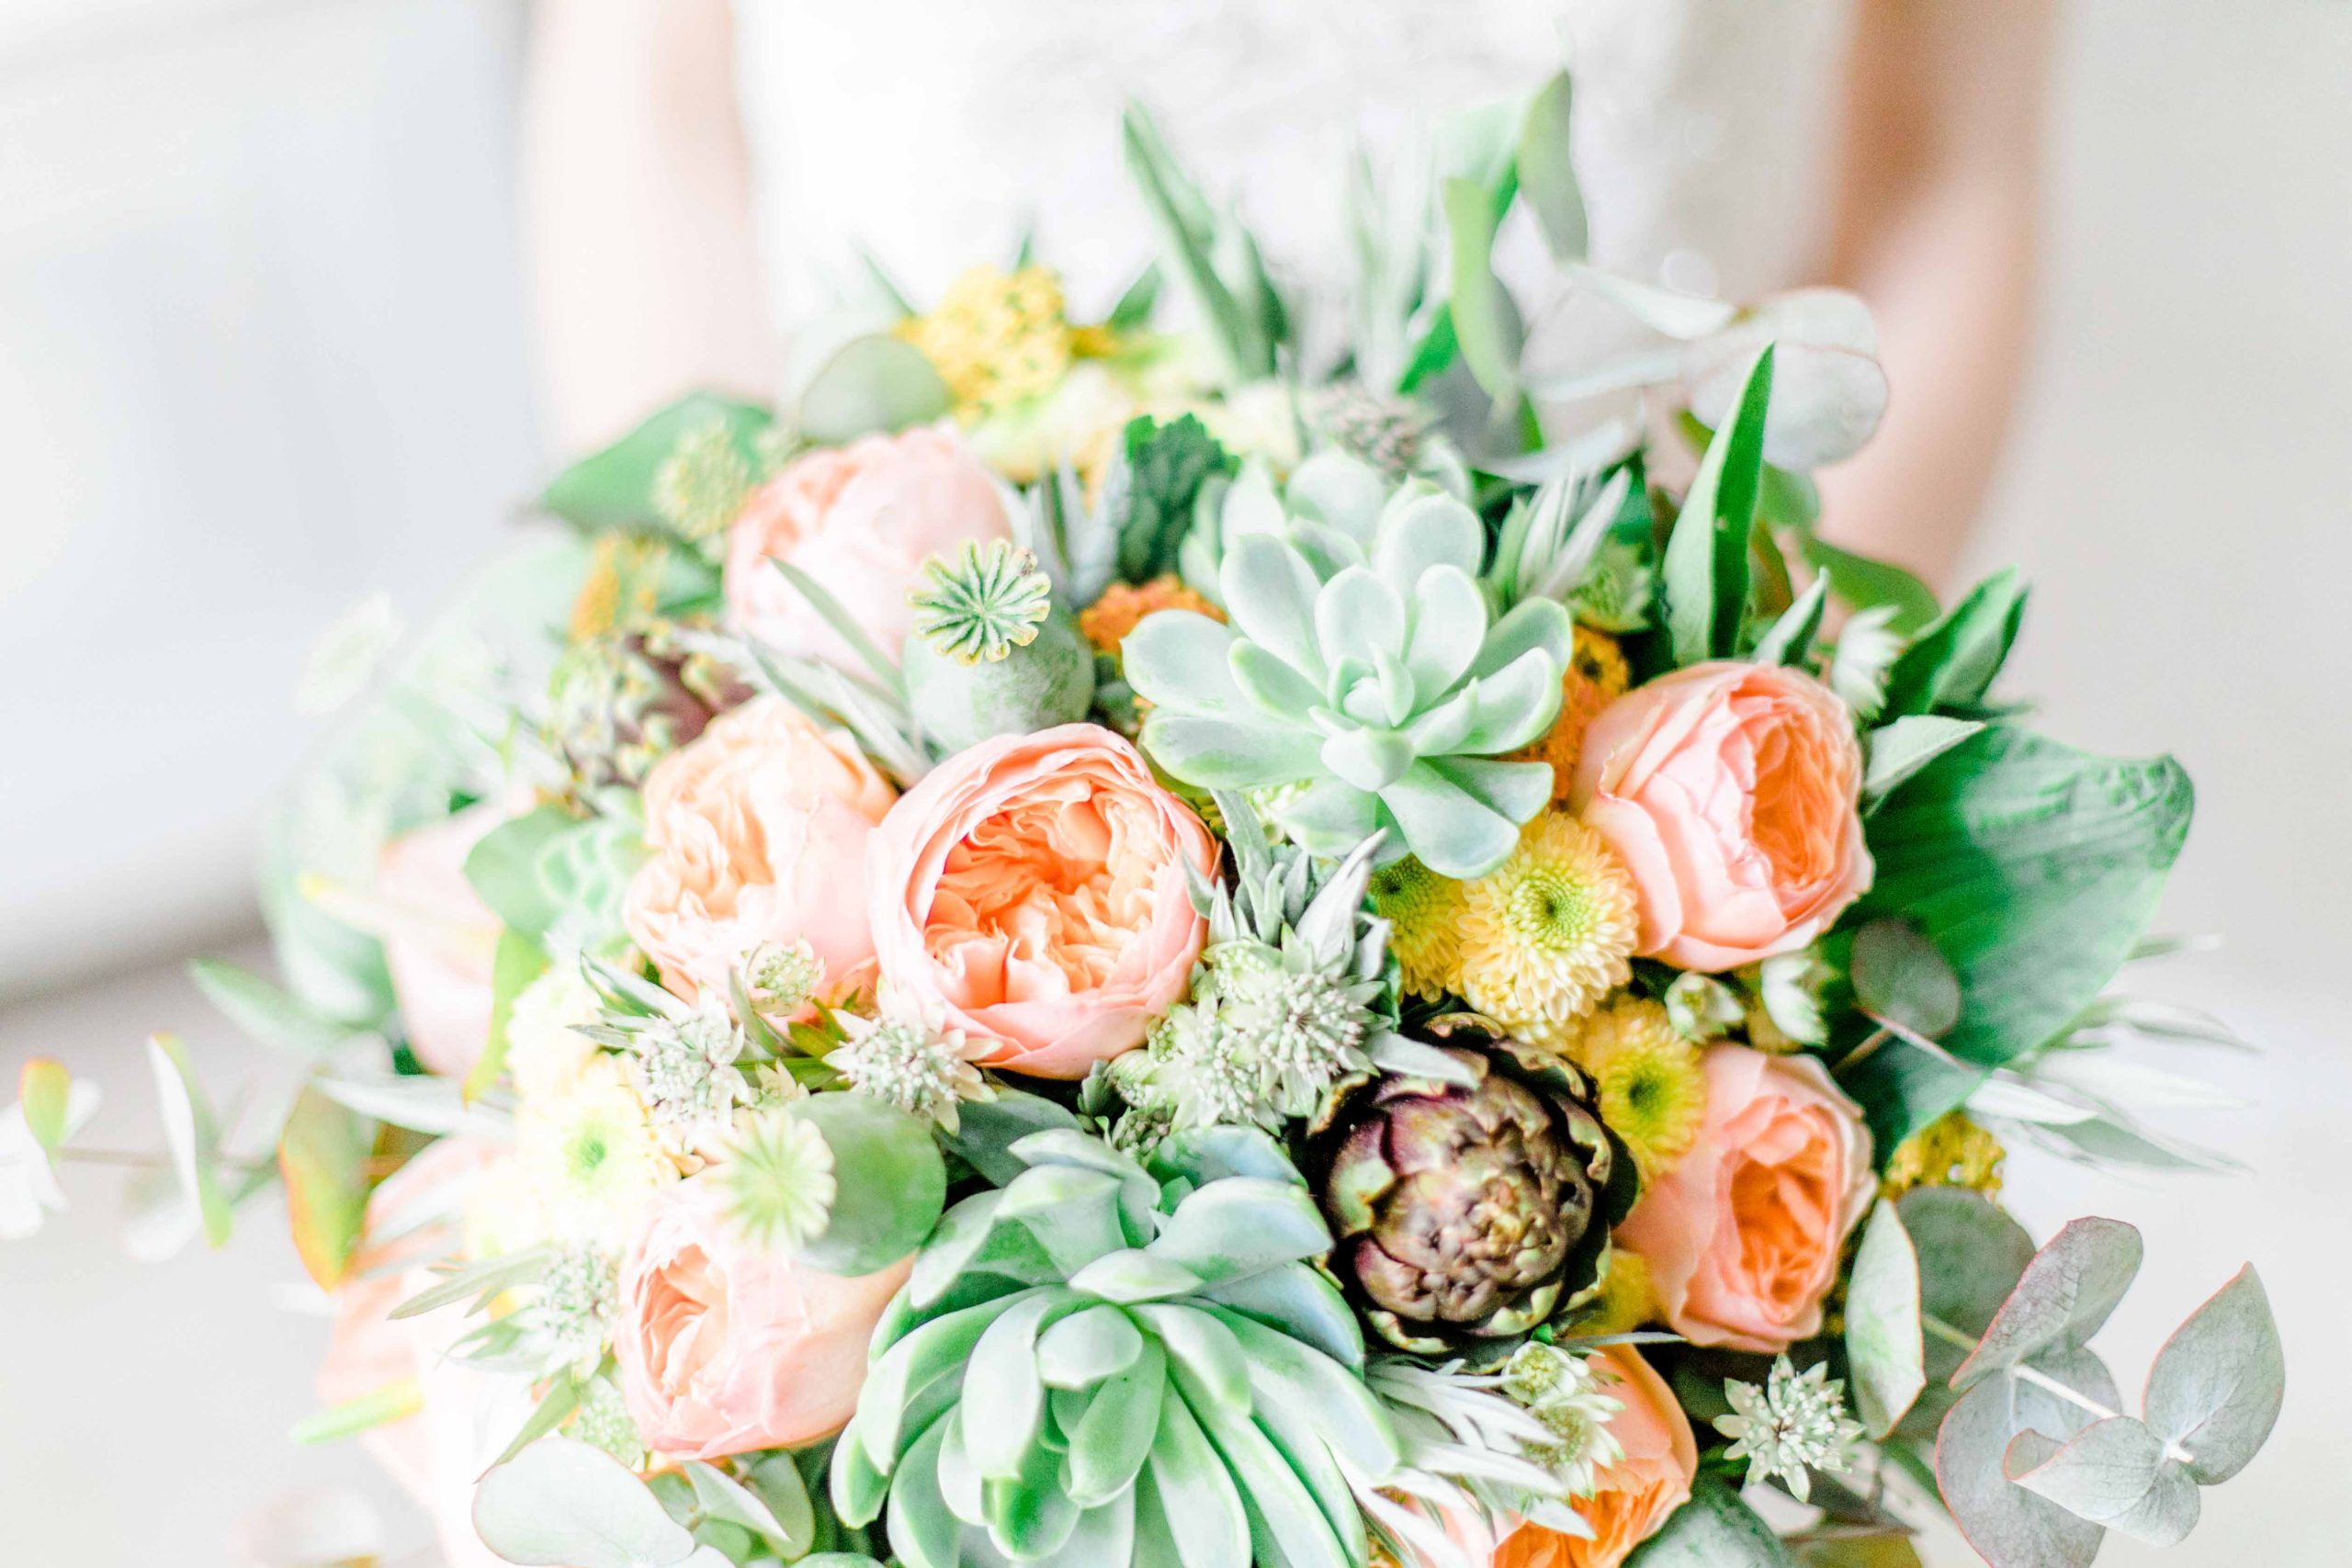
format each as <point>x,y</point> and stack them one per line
<point>1884,1345</point>
<point>889,1183</point>
<point>873,384</point>
<point>566,1503</point>
<point>1714,1530</point>
<point>1901,979</point>
<point>2217,1384</point>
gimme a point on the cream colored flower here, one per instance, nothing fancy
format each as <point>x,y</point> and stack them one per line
<point>592,1155</point>
<point>1549,932</point>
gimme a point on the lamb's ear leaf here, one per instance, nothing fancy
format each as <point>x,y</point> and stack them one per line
<point>2216,1386</point>
<point>1884,1345</point>
<point>1714,1530</point>
<point>1706,555</point>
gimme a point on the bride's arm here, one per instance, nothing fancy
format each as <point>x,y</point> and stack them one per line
<point>636,211</point>
<point>1935,229</point>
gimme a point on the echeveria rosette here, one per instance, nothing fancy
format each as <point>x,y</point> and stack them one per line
<point>1153,1367</point>
<point>1362,663</point>
<point>1472,1210</point>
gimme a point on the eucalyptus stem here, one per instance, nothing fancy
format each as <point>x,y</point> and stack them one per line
<point>1961,1339</point>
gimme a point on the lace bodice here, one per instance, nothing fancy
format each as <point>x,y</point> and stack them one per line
<point>932,132</point>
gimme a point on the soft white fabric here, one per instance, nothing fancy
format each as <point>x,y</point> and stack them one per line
<point>933,132</point>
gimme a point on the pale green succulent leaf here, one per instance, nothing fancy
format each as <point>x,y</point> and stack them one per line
<point>1298,1301</point>
<point>1240,1226</point>
<point>1272,687</point>
<point>1177,659</point>
<point>1531,623</point>
<point>1300,1442</point>
<point>1358,615</point>
<point>858,1487</point>
<point>1204,1154</point>
<point>1448,626</point>
<point>1419,532</point>
<point>929,1352</point>
<point>1340,490</point>
<point>1397,693</point>
<point>1207,1362</point>
<point>1329,813</point>
<point>969,1240</point>
<point>1104,1534</point>
<point>1452,833</point>
<point>1221,754</point>
<point>960,1486</point>
<point>1197,1503</point>
<point>1002,1380</point>
<point>1514,790</point>
<point>1328,551</point>
<point>1285,1524</point>
<point>923,1531</point>
<point>1270,591</point>
<point>1333,1396</point>
<point>1073,1213</point>
<point>1109,1445</point>
<point>1030,1515</point>
<point>1088,1347</point>
<point>1133,1276</point>
<point>1371,760</point>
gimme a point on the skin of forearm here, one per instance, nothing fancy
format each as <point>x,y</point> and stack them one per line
<point>1935,229</point>
<point>635,203</point>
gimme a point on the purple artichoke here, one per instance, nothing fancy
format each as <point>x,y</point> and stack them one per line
<point>1466,1216</point>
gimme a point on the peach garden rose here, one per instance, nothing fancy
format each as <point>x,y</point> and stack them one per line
<point>757,832</point>
<point>860,519</point>
<point>1732,791</point>
<point>1742,1238</point>
<point>1032,891</point>
<point>725,1347</point>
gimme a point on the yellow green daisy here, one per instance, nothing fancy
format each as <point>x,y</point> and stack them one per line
<point>592,1154</point>
<point>1424,914</point>
<point>1950,1151</point>
<point>1653,1091</point>
<point>1548,933</point>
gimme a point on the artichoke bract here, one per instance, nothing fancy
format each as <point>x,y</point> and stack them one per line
<point>1469,1213</point>
<point>1361,664</point>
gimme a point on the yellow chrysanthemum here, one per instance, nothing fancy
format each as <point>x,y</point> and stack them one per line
<point>1424,914</point>
<point>1123,607</point>
<point>996,338</point>
<point>592,1154</point>
<point>624,580</point>
<point>1626,1300</point>
<point>1549,932</point>
<point>1597,676</point>
<point>1950,1151</point>
<point>1653,1091</point>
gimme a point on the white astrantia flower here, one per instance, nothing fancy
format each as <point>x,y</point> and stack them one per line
<point>1561,1390</point>
<point>685,1072</point>
<point>1795,1424</point>
<point>778,980</point>
<point>914,1062</point>
<point>571,1320</point>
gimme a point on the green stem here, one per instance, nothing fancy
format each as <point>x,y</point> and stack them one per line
<point>1961,1339</point>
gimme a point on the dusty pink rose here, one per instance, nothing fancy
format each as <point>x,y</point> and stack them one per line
<point>724,1348</point>
<point>1742,1237</point>
<point>1032,890</point>
<point>859,519</point>
<point>1732,793</point>
<point>434,1454</point>
<point>757,830</point>
<point>440,938</point>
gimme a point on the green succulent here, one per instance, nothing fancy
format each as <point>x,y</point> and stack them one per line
<point>1100,1363</point>
<point>1363,664</point>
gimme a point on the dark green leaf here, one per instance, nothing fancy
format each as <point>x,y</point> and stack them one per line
<point>1148,493</point>
<point>1953,662</point>
<point>1861,582</point>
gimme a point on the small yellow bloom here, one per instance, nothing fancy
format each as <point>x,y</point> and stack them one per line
<point>1626,1300</point>
<point>996,338</point>
<point>1424,914</point>
<point>1597,676</point>
<point>1123,607</point>
<point>1549,932</point>
<point>1653,1091</point>
<point>592,1154</point>
<point>623,582</point>
<point>1950,1151</point>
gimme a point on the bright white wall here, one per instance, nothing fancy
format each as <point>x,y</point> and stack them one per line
<point>259,356</point>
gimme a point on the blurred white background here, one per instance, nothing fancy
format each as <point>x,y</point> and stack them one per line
<point>260,355</point>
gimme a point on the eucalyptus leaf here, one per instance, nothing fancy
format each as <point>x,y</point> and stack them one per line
<point>420,1104</point>
<point>875,384</point>
<point>191,1135</point>
<point>1484,320</point>
<point>2065,1296</point>
<point>564,1503</point>
<point>1971,1256</point>
<point>323,1157</point>
<point>2009,1527</point>
<point>2217,1384</point>
<point>268,1013</point>
<point>45,1094</point>
<point>1899,978</point>
<point>1884,1343</point>
<point>2115,1474</point>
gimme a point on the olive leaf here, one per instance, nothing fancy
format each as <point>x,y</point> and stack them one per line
<point>191,1133</point>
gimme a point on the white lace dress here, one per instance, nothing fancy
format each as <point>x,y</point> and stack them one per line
<point>933,132</point>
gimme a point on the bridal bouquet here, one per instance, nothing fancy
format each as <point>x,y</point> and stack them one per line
<point>1105,944</point>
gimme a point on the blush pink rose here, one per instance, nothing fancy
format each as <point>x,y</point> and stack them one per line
<point>1032,890</point>
<point>1742,1237</point>
<point>1631,1498</point>
<point>440,937</point>
<point>1732,791</point>
<point>757,830</point>
<point>859,519</point>
<point>434,1454</point>
<point>724,1348</point>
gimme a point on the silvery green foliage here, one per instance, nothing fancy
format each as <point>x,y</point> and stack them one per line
<point>2035,1457</point>
<point>1468,1447</point>
<point>1101,1363</point>
<point>563,1501</point>
<point>1551,542</point>
<point>1362,664</point>
<point>1286,1001</point>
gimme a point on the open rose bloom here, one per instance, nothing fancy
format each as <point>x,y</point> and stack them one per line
<point>1743,1236</point>
<point>1732,793</point>
<point>1032,890</point>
